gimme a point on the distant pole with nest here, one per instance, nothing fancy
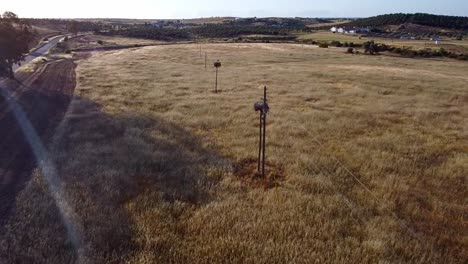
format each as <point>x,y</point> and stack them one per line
<point>217,65</point>
<point>263,108</point>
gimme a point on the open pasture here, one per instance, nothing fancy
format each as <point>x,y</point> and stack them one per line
<point>372,153</point>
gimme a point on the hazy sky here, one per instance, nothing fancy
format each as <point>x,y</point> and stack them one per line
<point>239,8</point>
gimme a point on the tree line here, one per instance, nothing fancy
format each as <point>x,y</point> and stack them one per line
<point>149,32</point>
<point>204,31</point>
<point>232,30</point>
<point>64,24</point>
<point>452,22</point>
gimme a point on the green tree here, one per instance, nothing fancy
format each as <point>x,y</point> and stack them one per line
<point>370,47</point>
<point>15,36</point>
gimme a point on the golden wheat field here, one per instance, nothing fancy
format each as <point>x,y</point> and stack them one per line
<point>367,160</point>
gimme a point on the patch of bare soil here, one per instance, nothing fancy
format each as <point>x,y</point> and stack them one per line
<point>246,170</point>
<point>44,98</point>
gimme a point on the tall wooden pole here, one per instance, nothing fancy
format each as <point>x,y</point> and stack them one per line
<point>260,142</point>
<point>205,60</point>
<point>264,133</point>
<point>216,83</point>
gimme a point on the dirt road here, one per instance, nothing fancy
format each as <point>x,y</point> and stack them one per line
<point>44,98</point>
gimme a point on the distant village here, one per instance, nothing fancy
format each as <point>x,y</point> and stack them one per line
<point>350,30</point>
<point>368,31</point>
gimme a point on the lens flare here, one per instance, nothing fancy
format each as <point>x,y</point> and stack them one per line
<point>49,171</point>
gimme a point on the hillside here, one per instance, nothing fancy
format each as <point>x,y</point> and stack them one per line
<point>451,22</point>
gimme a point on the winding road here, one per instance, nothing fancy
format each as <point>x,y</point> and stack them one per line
<point>40,51</point>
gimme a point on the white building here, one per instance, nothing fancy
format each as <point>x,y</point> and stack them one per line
<point>436,40</point>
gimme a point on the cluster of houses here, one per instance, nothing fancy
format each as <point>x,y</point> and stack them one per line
<point>365,30</point>
<point>350,30</point>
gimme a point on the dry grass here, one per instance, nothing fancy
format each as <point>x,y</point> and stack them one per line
<point>147,154</point>
<point>91,41</point>
<point>459,46</point>
<point>113,40</point>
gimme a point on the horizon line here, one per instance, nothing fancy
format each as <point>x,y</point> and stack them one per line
<point>192,18</point>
